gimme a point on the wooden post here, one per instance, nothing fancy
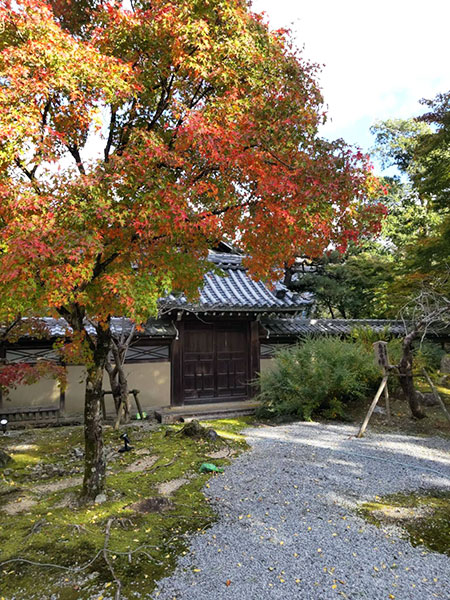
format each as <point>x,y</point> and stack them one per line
<point>381,355</point>
<point>62,401</point>
<point>436,395</point>
<point>176,367</point>
<point>2,360</point>
<point>102,402</point>
<point>372,406</point>
<point>138,404</point>
<point>387,403</point>
<point>254,358</point>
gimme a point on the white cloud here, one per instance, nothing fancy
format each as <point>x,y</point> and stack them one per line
<point>380,57</point>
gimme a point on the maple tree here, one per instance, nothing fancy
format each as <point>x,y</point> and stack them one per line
<point>133,140</point>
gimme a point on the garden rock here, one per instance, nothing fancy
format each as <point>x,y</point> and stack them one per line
<point>77,453</point>
<point>4,458</point>
<point>427,399</point>
<point>194,430</point>
<point>445,380</point>
<point>445,363</point>
<point>151,505</point>
<point>100,499</point>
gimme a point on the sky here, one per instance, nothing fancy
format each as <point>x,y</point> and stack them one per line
<point>380,58</point>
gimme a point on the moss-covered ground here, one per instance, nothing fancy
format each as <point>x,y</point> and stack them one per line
<point>424,516</point>
<point>51,547</point>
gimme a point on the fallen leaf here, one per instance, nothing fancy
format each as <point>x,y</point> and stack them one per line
<point>228,582</point>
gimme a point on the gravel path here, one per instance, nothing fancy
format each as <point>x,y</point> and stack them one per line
<point>287,526</point>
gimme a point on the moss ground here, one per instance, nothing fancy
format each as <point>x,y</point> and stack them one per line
<point>56,531</point>
<point>425,517</point>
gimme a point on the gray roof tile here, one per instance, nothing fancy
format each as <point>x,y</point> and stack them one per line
<point>297,327</point>
<point>236,290</point>
<point>153,328</point>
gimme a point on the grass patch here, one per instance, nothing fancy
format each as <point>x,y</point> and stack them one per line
<point>55,530</point>
<point>424,516</point>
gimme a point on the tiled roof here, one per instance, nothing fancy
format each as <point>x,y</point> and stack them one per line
<point>153,328</point>
<point>271,328</point>
<point>237,291</point>
<point>278,327</point>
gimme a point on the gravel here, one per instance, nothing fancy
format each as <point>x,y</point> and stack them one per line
<point>287,525</point>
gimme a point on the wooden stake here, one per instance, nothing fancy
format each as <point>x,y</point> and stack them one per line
<point>138,404</point>
<point>436,395</point>
<point>372,406</point>
<point>387,403</point>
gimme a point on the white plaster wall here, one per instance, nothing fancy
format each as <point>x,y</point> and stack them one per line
<point>43,393</point>
<point>151,379</point>
<point>266,364</point>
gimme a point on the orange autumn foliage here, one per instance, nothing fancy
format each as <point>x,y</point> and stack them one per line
<point>207,123</point>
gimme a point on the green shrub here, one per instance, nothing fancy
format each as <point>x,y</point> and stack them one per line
<point>428,356</point>
<point>317,376</point>
<point>368,336</point>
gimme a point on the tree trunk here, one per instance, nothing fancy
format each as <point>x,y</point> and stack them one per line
<point>124,411</point>
<point>124,397</point>
<point>330,309</point>
<point>99,347</point>
<point>118,377</point>
<point>94,463</point>
<point>405,368</point>
<point>114,384</point>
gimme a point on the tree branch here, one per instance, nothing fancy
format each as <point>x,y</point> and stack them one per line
<point>166,90</point>
<point>125,133</point>
<point>112,125</point>
<point>29,174</point>
<point>74,151</point>
<point>11,326</point>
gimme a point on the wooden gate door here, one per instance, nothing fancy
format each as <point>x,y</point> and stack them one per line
<point>215,362</point>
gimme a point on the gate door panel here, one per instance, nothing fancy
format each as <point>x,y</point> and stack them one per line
<point>215,362</point>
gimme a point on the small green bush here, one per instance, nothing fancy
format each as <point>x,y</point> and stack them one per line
<point>428,355</point>
<point>368,336</point>
<point>317,376</point>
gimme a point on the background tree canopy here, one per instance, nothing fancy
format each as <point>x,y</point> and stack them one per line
<point>412,251</point>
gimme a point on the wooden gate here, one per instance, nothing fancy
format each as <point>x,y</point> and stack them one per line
<point>215,362</point>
